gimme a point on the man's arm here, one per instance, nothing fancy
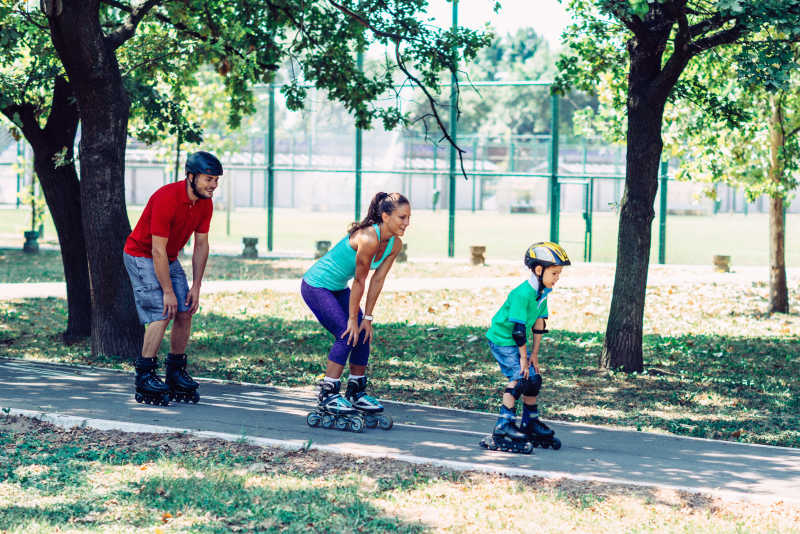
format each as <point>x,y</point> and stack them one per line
<point>161,266</point>
<point>199,259</point>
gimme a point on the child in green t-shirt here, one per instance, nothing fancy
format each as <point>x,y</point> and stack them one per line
<point>525,309</point>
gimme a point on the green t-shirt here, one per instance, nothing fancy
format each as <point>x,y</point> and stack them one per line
<point>519,307</point>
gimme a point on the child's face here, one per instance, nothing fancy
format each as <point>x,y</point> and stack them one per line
<point>551,275</point>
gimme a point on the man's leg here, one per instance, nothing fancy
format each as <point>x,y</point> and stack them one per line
<point>153,336</point>
<point>181,328</point>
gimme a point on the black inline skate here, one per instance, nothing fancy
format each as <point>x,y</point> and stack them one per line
<point>507,437</point>
<point>334,411</point>
<point>149,387</point>
<point>181,386</point>
<point>540,435</point>
<point>368,406</point>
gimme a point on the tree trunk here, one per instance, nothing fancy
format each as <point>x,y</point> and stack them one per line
<point>62,193</point>
<point>622,348</point>
<point>778,290</point>
<point>104,106</point>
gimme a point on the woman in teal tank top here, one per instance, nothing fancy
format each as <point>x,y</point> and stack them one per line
<point>372,243</point>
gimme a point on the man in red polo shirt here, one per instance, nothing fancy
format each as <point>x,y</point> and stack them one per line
<point>162,294</point>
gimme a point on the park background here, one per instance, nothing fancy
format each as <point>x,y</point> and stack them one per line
<point>717,366</point>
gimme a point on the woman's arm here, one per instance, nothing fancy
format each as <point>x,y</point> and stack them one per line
<point>376,285</point>
<point>366,243</point>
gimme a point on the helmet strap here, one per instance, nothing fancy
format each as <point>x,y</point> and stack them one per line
<point>538,277</point>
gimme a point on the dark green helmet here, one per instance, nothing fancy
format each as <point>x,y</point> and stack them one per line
<point>203,163</point>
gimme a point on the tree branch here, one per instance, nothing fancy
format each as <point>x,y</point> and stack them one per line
<point>720,38</point>
<point>23,116</point>
<point>432,102</point>
<point>191,33</point>
<point>127,29</point>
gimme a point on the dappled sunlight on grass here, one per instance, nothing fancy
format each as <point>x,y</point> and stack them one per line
<point>712,359</point>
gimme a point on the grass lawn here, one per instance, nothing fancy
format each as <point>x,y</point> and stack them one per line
<point>716,366</point>
<point>690,239</point>
<point>83,480</point>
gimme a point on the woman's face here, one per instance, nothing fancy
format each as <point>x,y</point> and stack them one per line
<point>397,221</point>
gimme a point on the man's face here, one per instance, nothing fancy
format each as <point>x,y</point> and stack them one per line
<point>205,184</point>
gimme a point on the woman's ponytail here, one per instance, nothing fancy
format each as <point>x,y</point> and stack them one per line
<point>381,203</point>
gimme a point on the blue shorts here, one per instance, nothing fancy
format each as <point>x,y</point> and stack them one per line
<point>508,358</point>
<point>147,290</point>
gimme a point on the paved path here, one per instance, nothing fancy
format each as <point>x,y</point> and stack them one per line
<point>276,416</point>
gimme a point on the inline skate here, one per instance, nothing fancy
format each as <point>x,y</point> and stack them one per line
<point>507,437</point>
<point>149,387</point>
<point>540,435</point>
<point>368,406</point>
<point>335,411</point>
<point>181,386</point>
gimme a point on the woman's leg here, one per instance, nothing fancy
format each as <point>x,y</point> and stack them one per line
<point>326,307</point>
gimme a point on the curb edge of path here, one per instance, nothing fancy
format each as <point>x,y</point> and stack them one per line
<point>71,421</point>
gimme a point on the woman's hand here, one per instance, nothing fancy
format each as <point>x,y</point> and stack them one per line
<point>351,332</point>
<point>366,327</point>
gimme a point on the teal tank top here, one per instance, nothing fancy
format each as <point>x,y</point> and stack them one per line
<point>336,268</point>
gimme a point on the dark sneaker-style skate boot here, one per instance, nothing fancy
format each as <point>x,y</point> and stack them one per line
<point>181,386</point>
<point>539,434</point>
<point>507,437</point>
<point>149,387</point>
<point>335,411</point>
<point>367,405</point>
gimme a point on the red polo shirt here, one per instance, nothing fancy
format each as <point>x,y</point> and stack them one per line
<point>169,213</point>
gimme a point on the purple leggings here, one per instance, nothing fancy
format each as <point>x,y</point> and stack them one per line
<point>332,308</point>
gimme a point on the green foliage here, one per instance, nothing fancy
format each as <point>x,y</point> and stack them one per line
<point>245,43</point>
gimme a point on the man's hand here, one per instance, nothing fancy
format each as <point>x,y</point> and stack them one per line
<point>170,305</point>
<point>523,363</point>
<point>193,299</point>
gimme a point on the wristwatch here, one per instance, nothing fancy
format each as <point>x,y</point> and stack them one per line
<point>368,318</point>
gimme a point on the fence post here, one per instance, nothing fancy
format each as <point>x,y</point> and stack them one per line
<point>555,193</point>
<point>20,170</point>
<point>451,239</point>
<point>662,215</point>
<point>360,64</point>
<point>270,166</point>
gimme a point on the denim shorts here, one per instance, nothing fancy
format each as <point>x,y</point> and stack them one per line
<point>508,358</point>
<point>147,290</point>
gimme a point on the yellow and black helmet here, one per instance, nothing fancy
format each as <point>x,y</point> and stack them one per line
<point>546,254</point>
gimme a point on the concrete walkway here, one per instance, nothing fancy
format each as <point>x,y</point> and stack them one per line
<point>101,398</point>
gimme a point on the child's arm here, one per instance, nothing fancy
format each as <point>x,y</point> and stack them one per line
<point>537,340</point>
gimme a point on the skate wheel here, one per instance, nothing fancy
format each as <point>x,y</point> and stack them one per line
<point>371,421</point>
<point>165,400</point>
<point>195,398</point>
<point>313,419</point>
<point>327,421</point>
<point>172,395</point>
<point>139,398</point>
<point>528,448</point>
<point>385,422</point>
<point>356,424</point>
<point>556,444</point>
<point>340,423</point>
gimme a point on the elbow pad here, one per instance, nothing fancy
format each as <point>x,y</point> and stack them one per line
<point>544,329</point>
<point>519,334</point>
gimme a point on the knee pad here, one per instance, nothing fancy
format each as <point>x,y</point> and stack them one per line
<point>530,386</point>
<point>515,392</point>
